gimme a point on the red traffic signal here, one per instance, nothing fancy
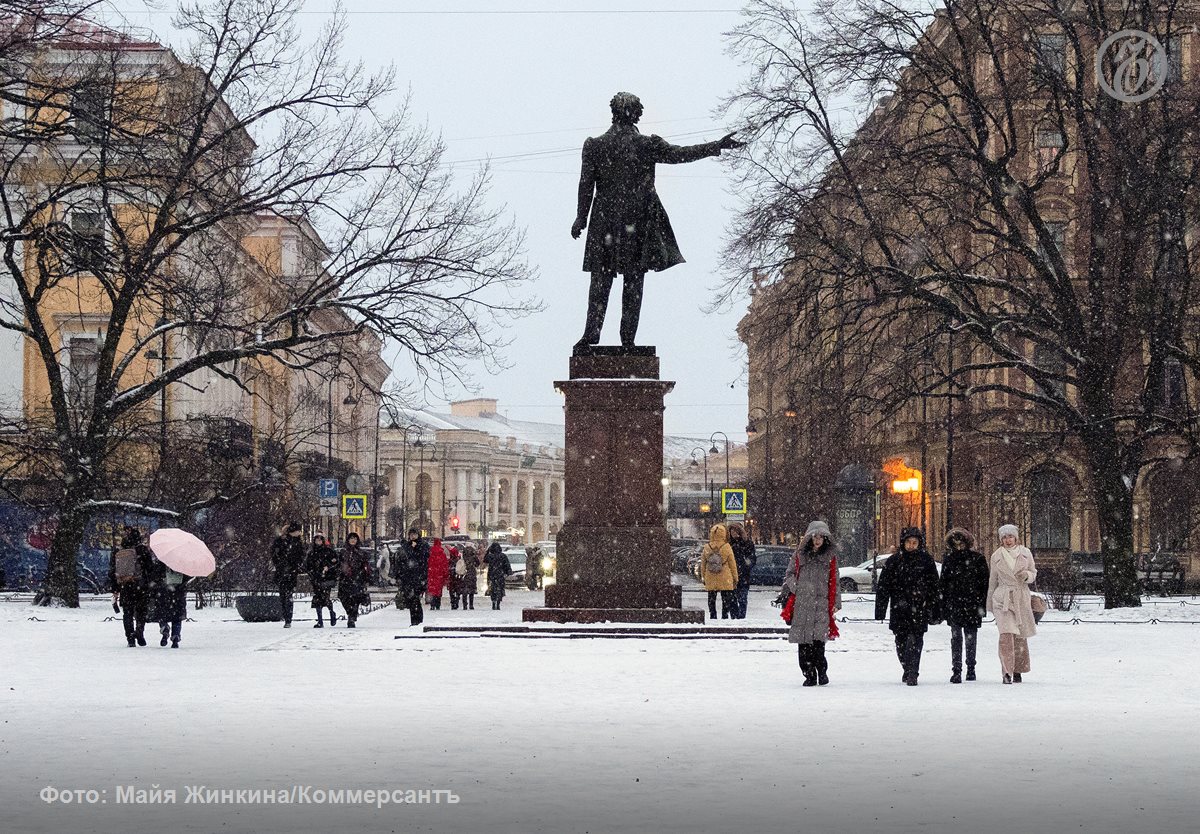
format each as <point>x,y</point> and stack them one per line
<point>454,523</point>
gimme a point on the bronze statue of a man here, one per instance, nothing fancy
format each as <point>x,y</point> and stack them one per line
<point>629,231</point>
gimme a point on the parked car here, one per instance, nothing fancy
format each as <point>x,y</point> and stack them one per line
<point>772,564</point>
<point>516,558</point>
<point>858,578</point>
<point>1091,569</point>
<point>680,556</point>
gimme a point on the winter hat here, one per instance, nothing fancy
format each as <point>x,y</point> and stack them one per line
<point>1009,530</point>
<point>959,533</point>
<point>912,533</point>
<point>817,528</point>
<point>293,528</point>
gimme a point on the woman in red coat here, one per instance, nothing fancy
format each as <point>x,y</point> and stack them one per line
<point>439,573</point>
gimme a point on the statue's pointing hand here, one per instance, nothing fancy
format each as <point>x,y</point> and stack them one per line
<point>578,226</point>
<point>728,143</point>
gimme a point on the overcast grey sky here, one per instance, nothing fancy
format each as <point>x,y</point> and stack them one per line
<point>533,77</point>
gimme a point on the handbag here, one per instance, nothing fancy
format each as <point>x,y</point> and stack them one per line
<point>789,606</point>
<point>1037,604</point>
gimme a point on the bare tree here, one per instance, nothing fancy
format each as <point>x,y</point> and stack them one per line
<point>994,200</point>
<point>134,179</point>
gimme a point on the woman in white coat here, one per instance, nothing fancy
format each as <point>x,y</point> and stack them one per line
<point>1011,570</point>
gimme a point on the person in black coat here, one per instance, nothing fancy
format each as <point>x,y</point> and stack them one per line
<point>287,558</point>
<point>410,570</point>
<point>354,579</point>
<point>498,568</point>
<point>909,583</point>
<point>170,603</point>
<point>322,566</point>
<point>745,558</point>
<point>964,598</point>
<point>133,595</point>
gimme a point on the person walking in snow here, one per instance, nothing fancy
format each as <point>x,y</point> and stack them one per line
<point>170,604</point>
<point>354,579</point>
<point>909,584</point>
<point>720,572</point>
<point>812,576</point>
<point>410,570</point>
<point>322,566</point>
<point>964,586</point>
<point>287,558</point>
<point>745,559</point>
<point>129,569</point>
<point>469,577</point>
<point>498,568</point>
<point>1008,598</point>
<point>437,574</point>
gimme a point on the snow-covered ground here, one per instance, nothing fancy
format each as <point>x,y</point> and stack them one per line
<point>597,735</point>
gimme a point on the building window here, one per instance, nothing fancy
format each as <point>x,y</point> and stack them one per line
<point>1174,47</point>
<point>1049,143</point>
<point>1174,392</point>
<point>1058,238</point>
<point>1172,510</point>
<point>83,355</point>
<point>1051,361</point>
<point>522,498</point>
<point>424,493</point>
<point>1049,510</point>
<point>555,498</point>
<point>539,498</point>
<point>504,501</point>
<point>89,112</point>
<point>88,241</point>
<point>1050,56</point>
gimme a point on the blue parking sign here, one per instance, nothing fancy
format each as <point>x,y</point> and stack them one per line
<point>327,488</point>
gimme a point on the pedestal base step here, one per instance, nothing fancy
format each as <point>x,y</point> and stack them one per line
<point>612,615</point>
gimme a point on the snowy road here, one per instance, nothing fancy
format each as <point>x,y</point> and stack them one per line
<point>551,735</point>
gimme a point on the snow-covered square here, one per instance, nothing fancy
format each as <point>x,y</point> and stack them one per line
<point>555,734</point>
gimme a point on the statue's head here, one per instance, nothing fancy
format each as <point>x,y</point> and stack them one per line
<point>626,108</point>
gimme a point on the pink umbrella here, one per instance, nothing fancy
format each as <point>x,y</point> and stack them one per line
<point>183,552</point>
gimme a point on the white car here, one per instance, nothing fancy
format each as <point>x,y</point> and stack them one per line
<point>859,578</point>
<point>516,558</point>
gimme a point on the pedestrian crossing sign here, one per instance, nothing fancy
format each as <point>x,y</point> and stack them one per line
<point>354,506</point>
<point>733,501</point>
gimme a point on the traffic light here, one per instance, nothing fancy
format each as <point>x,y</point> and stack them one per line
<point>454,523</point>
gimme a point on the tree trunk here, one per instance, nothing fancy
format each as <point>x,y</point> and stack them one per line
<point>62,565</point>
<point>1114,509</point>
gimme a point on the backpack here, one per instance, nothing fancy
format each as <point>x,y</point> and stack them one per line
<point>127,567</point>
<point>713,561</point>
<point>460,568</point>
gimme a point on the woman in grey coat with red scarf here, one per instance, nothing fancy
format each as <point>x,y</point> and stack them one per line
<point>812,576</point>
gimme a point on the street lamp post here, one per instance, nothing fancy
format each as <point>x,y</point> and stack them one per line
<point>714,450</point>
<point>694,463</point>
<point>375,479</point>
<point>768,499</point>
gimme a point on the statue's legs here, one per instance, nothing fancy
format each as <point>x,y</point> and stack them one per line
<point>631,307</point>
<point>597,305</point>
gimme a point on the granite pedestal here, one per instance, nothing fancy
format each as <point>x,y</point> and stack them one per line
<point>613,550</point>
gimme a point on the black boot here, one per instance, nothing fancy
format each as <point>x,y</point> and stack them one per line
<point>165,631</point>
<point>970,673</point>
<point>141,638</point>
<point>822,665</point>
<point>912,679</point>
<point>132,642</point>
<point>332,617</point>
<point>956,677</point>
<point>1016,677</point>
<point>174,644</point>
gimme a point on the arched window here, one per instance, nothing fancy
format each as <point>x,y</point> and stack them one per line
<point>1049,510</point>
<point>424,491</point>
<point>539,498</point>
<point>505,500</point>
<point>555,498</point>
<point>536,532</point>
<point>1172,509</point>
<point>522,498</point>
